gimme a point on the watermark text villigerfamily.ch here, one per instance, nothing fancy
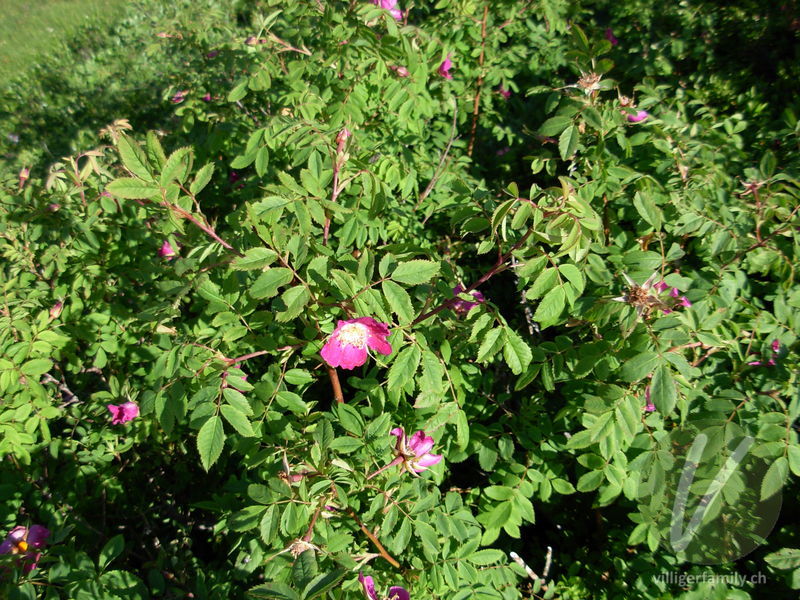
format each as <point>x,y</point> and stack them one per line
<point>682,579</point>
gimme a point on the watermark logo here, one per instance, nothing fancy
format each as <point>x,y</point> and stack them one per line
<point>703,493</point>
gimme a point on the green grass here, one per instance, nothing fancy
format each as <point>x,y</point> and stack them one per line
<point>31,29</point>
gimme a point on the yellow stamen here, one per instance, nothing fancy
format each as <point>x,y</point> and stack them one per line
<point>22,545</point>
<point>353,334</point>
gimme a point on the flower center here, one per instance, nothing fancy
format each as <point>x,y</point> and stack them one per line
<point>353,334</point>
<point>22,546</point>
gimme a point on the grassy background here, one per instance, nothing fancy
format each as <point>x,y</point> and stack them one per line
<point>29,29</point>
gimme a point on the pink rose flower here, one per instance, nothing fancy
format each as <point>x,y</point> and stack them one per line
<point>610,37</point>
<point>167,251</point>
<point>207,98</point>
<point>444,68</point>
<point>123,413</point>
<point>391,6</point>
<point>349,344</point>
<point>638,117</point>
<point>180,96</point>
<point>395,592</point>
<point>462,307</point>
<point>55,310</point>
<point>649,407</point>
<point>684,301</point>
<point>776,345</point>
<point>21,540</point>
<point>414,452</point>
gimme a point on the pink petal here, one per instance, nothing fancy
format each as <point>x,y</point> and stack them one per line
<point>755,363</point>
<point>420,443</point>
<point>776,345</point>
<point>685,302</point>
<point>341,355</point>
<point>427,461</point>
<point>398,593</point>
<point>639,116</point>
<point>37,536</point>
<point>369,586</point>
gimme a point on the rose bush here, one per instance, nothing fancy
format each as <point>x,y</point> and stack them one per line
<point>219,322</point>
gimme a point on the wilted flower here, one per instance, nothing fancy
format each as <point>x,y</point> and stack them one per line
<point>391,6</point>
<point>123,413</point>
<point>13,138</point>
<point>207,98</point>
<point>343,136</point>
<point>776,346</point>
<point>462,307</point>
<point>647,297</point>
<point>610,37</point>
<point>504,92</point>
<point>639,116</point>
<point>589,83</point>
<point>24,175</point>
<point>54,207</point>
<point>167,251</point>
<point>400,70</point>
<point>349,344</point>
<point>395,592</point>
<point>503,151</point>
<point>444,68</point>
<point>649,407</point>
<point>179,96</point>
<point>21,540</point>
<point>212,54</point>
<point>55,310</point>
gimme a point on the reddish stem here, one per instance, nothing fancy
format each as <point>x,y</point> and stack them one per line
<point>337,387</point>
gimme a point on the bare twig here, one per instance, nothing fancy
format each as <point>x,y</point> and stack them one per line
<point>476,104</point>
<point>374,539</point>
<point>440,167</point>
<point>337,387</point>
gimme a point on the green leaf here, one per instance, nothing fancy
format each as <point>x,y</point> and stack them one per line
<point>236,399</point>
<point>176,167</point>
<point>568,142</point>
<point>784,559</point>
<point>516,352</point>
<point>111,550</point>
<point>254,258</point>
<point>574,276</point>
<point>399,301</point>
<point>639,366</point>
<point>262,160</point>
<point>491,343</point>
<point>238,420</point>
<point>270,281</point>
<point>294,299</point>
<point>134,158</point>
<point>544,283</point>
<point>269,524</point>
<point>550,308</point>
<point>238,92</point>
<point>202,178</point>
<point>775,477</point>
<point>404,367</point>
<point>555,125</point>
<point>304,569</point>
<point>648,210</point>
<point>323,583</point>
<point>210,440</point>
<point>415,272</point>
<point>36,367</point>
<point>133,189</point>
<point>350,419</point>
<point>486,557</point>
<point>273,591</point>
<point>292,402</point>
<point>662,390</point>
<point>246,519</point>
